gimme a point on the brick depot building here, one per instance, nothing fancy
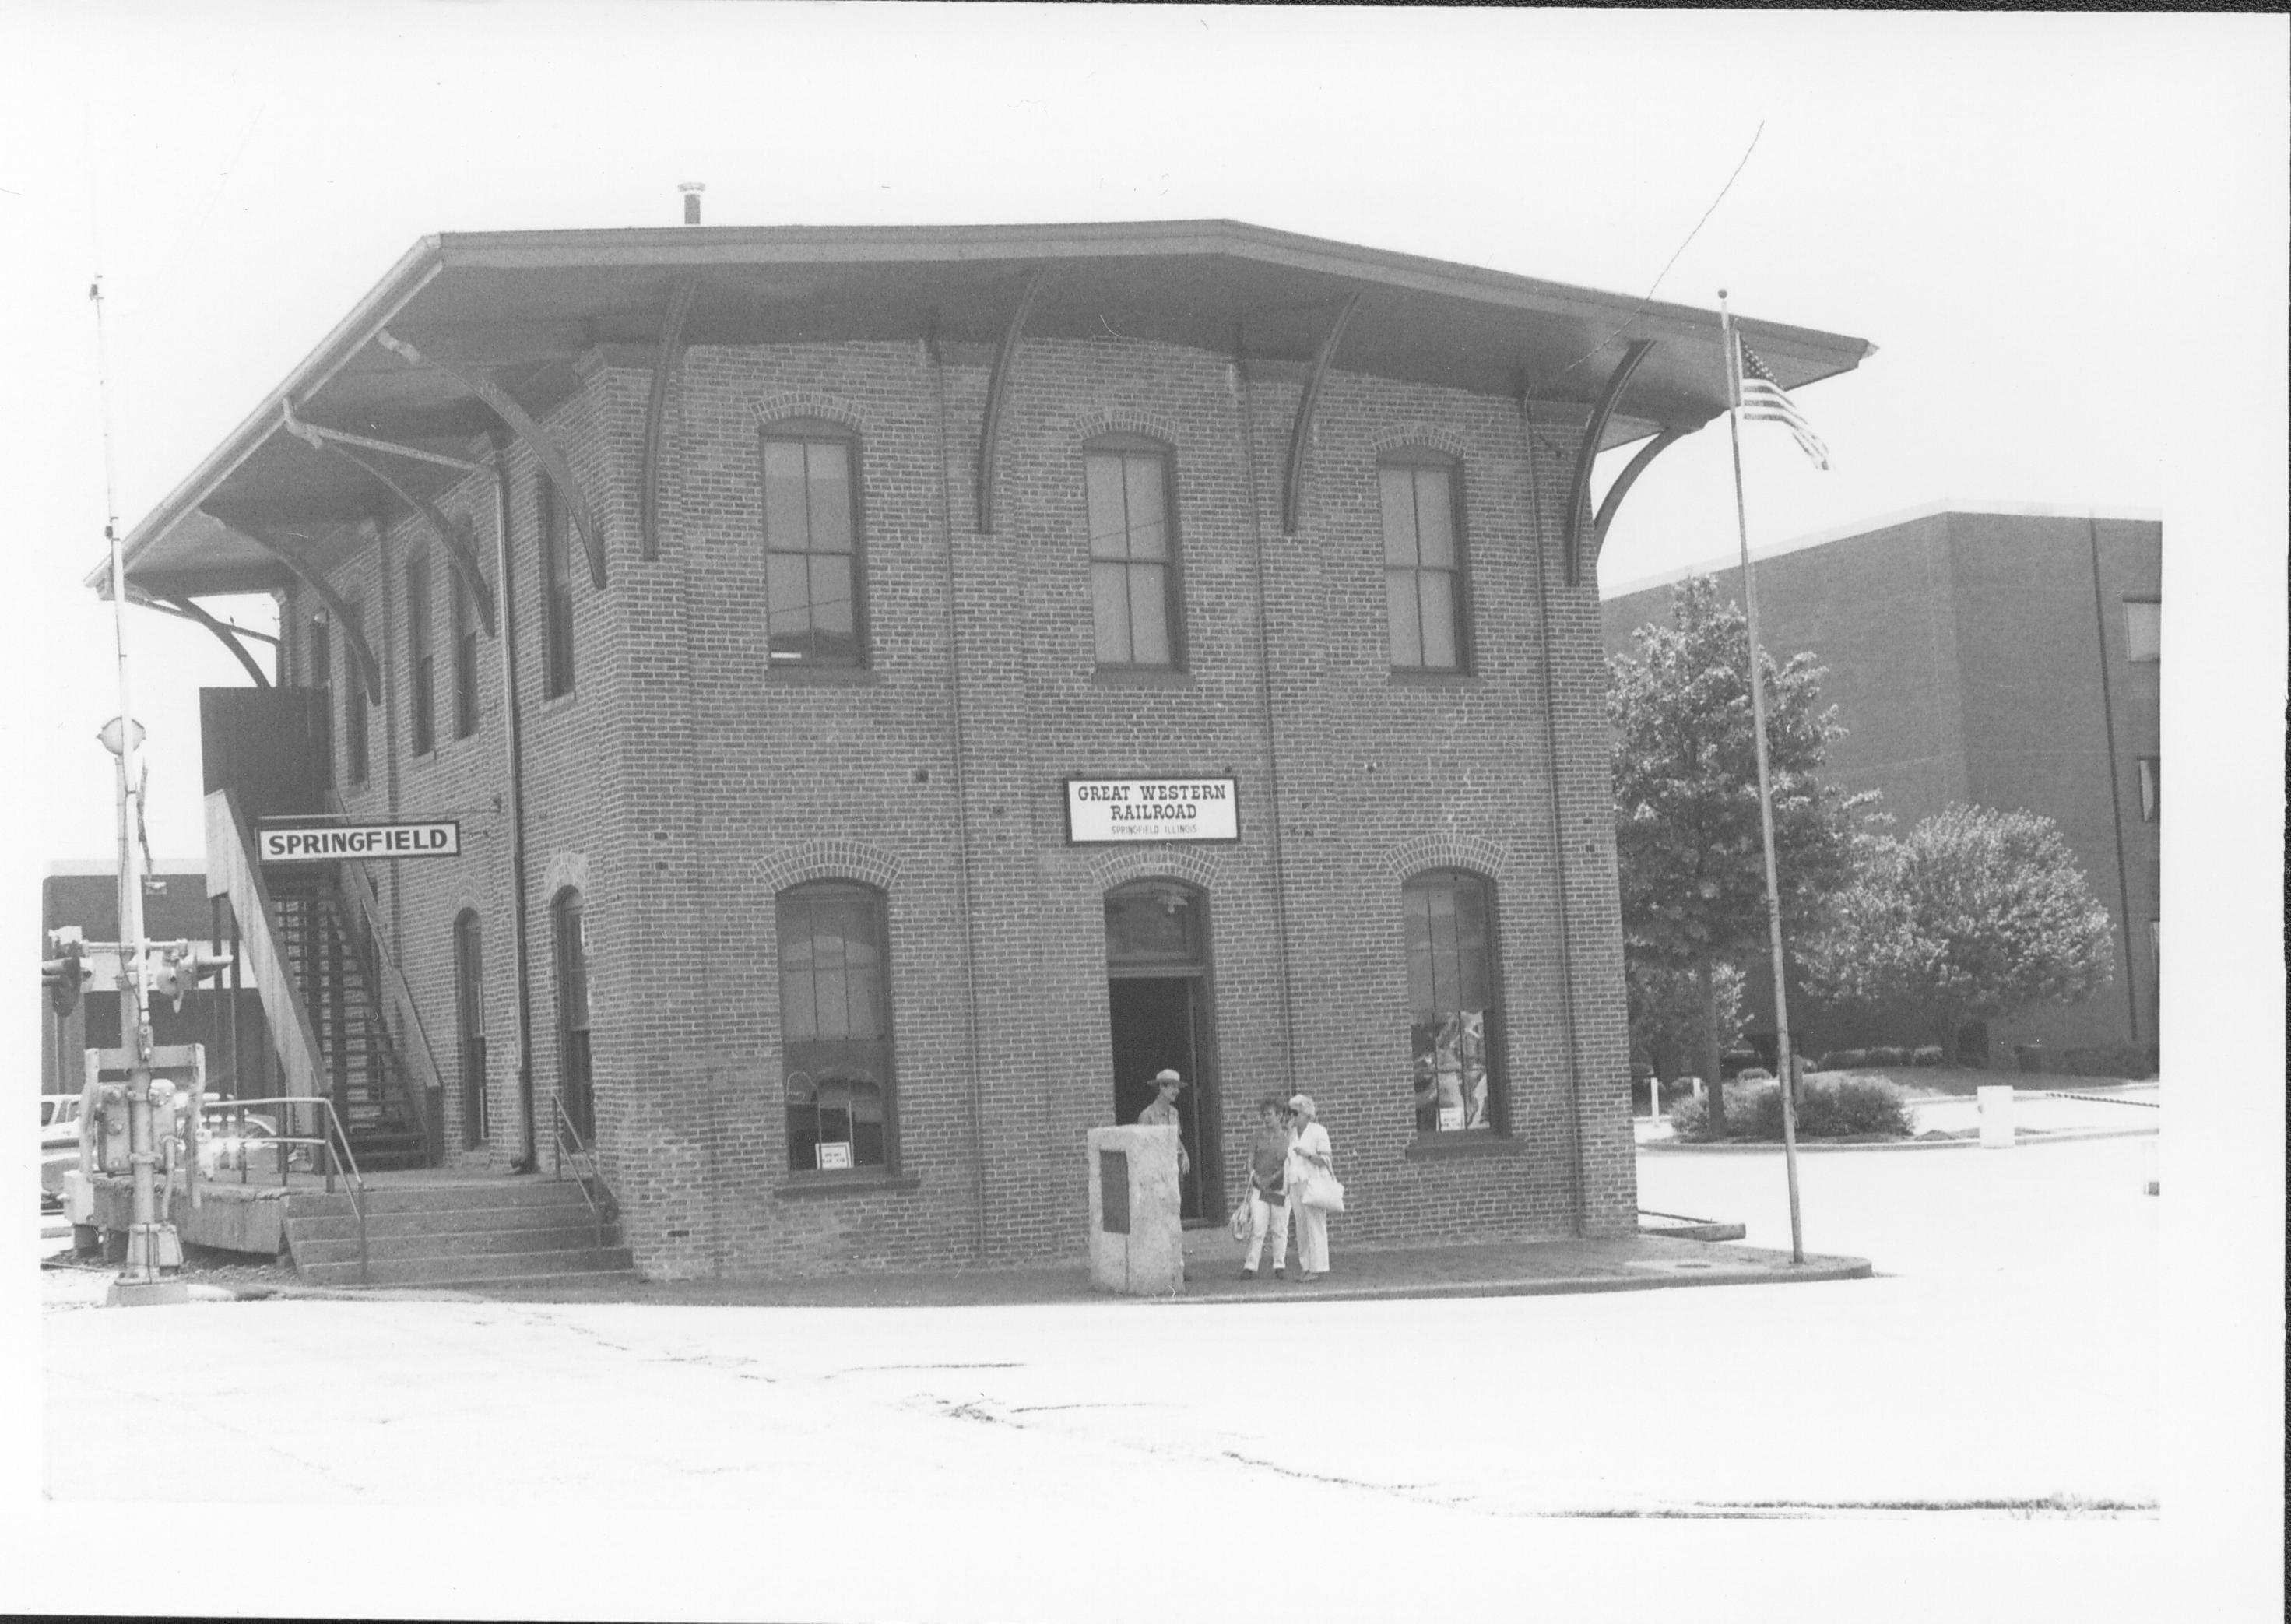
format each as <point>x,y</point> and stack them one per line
<point>2001,655</point>
<point>809,631</point>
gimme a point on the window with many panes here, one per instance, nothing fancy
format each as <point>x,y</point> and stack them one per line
<point>463,610</point>
<point>420,658</point>
<point>835,1026</point>
<point>469,1023</point>
<point>2143,629</point>
<point>1134,606</point>
<point>814,578</point>
<point>1455,1029</point>
<point>1424,580</point>
<point>320,674</point>
<point>355,697</point>
<point>556,527</point>
<point>574,1087</point>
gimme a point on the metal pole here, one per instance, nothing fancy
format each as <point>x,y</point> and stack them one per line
<point>143,1251</point>
<point>1788,1082</point>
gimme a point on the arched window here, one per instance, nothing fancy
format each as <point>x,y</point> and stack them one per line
<point>1136,608</point>
<point>319,673</point>
<point>420,658</point>
<point>835,1027</point>
<point>815,580</point>
<point>572,1082</point>
<point>469,1022</point>
<point>554,526</point>
<point>1424,576</point>
<point>1454,995</point>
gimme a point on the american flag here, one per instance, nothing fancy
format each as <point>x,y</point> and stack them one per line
<point>1763,400</point>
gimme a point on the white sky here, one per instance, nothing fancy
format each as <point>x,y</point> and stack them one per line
<point>2065,234</point>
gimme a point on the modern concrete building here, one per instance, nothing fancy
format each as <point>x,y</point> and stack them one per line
<point>893,691</point>
<point>2004,657</point>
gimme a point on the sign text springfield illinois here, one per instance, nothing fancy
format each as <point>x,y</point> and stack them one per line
<point>1103,810</point>
<point>330,842</point>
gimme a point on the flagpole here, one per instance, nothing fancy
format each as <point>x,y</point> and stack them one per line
<point>1788,1083</point>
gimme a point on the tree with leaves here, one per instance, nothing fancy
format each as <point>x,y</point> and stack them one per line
<point>1690,855</point>
<point>1976,914</point>
<point>1669,1023</point>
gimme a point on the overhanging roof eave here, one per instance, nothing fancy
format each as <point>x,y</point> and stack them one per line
<point>353,333</point>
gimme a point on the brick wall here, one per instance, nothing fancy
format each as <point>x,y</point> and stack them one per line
<point>685,780</point>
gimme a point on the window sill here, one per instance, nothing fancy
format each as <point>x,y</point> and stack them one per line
<point>1471,1142</point>
<point>799,675</point>
<point>1139,677</point>
<point>1407,677</point>
<point>803,1185</point>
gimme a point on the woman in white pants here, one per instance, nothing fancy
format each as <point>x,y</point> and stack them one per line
<point>1309,1157</point>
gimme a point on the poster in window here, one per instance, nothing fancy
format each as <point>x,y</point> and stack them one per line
<point>834,1158</point>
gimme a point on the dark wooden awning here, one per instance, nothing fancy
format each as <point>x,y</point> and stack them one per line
<point>518,310</point>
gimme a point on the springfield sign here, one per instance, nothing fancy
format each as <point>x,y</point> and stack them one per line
<point>1101,811</point>
<point>331,843</point>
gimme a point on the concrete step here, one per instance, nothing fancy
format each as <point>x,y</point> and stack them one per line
<point>437,1220</point>
<point>446,1195</point>
<point>473,1266</point>
<point>310,1252</point>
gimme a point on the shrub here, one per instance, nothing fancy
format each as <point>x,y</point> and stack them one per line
<point>1889,1056</point>
<point>1825,1111</point>
<point>1690,1119</point>
<point>2109,1060</point>
<point>1930,1055</point>
<point>1842,1059</point>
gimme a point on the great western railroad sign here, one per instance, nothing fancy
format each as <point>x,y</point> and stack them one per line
<point>331,843</point>
<point>1102,811</point>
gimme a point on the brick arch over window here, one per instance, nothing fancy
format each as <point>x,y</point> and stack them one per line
<point>1430,437</point>
<point>566,868</point>
<point>1086,426</point>
<point>808,403</point>
<point>841,859</point>
<point>1120,866</point>
<point>1409,858</point>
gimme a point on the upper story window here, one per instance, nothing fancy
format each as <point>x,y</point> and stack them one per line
<point>835,1026</point>
<point>2143,629</point>
<point>1454,984</point>
<point>2152,788</point>
<point>319,671</point>
<point>420,658</point>
<point>1136,608</point>
<point>555,529</point>
<point>1424,581</point>
<point>355,699</point>
<point>814,580</point>
<point>463,611</point>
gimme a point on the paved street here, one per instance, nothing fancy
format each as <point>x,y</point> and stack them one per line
<point>2002,1365</point>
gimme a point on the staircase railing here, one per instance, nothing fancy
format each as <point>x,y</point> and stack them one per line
<point>233,872</point>
<point>332,1138</point>
<point>412,1050</point>
<point>568,1135</point>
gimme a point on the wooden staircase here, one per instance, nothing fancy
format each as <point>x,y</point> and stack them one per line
<point>331,966</point>
<point>465,1232</point>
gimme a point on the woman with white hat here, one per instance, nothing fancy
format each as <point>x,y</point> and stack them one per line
<point>1309,1157</point>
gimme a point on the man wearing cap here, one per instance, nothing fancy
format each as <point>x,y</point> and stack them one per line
<point>1163,1114</point>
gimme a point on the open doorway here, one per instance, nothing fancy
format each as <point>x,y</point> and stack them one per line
<point>1158,1000</point>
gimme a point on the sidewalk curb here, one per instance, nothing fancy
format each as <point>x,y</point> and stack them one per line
<point>1812,1272</point>
<point>1773,1146</point>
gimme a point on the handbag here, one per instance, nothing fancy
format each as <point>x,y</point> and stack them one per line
<point>1322,1194</point>
<point>1239,1224</point>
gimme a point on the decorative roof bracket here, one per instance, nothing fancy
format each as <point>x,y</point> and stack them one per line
<point>998,395</point>
<point>1300,433</point>
<point>1579,491</point>
<point>664,372</point>
<point>546,450</point>
<point>183,609</point>
<point>463,563</point>
<point>362,660</point>
<point>1632,470</point>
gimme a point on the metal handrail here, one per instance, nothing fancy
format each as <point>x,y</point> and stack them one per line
<point>335,1138</point>
<point>581,1147</point>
